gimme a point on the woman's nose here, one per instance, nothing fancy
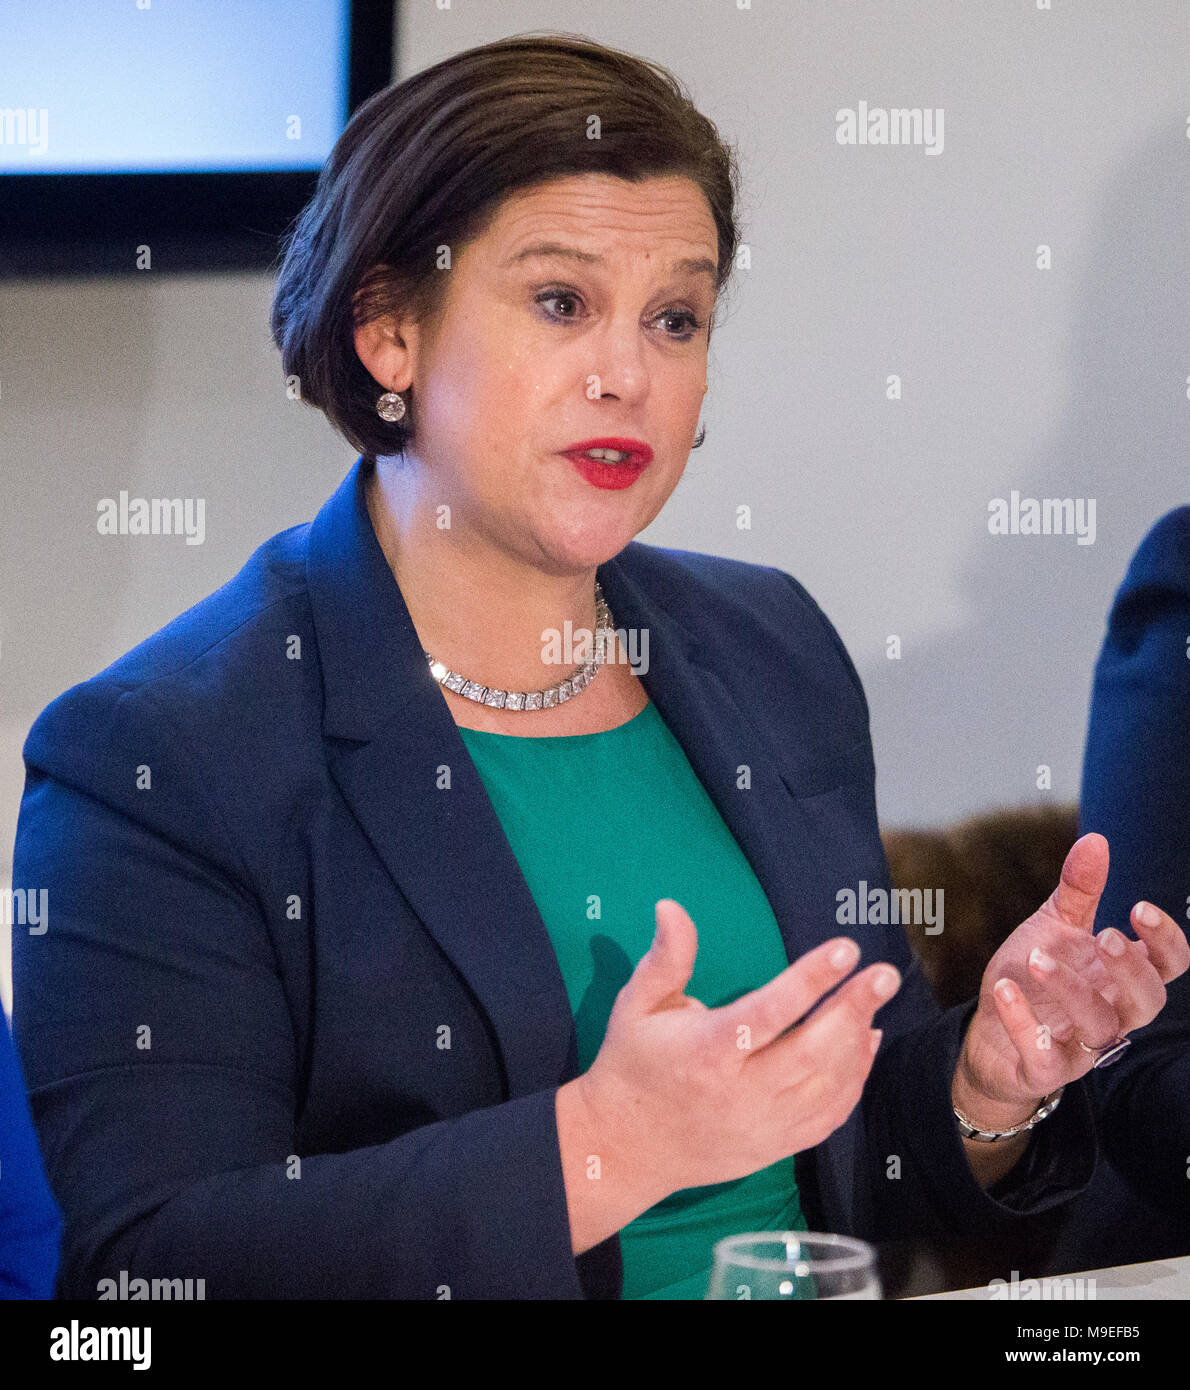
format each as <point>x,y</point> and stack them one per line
<point>618,365</point>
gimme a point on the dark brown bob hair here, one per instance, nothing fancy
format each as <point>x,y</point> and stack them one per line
<point>427,162</point>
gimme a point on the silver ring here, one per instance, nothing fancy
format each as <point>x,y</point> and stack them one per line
<point>1112,1052</point>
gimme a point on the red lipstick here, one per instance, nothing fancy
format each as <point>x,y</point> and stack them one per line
<point>603,473</point>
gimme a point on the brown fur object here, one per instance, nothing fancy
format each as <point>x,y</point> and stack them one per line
<point>995,870</point>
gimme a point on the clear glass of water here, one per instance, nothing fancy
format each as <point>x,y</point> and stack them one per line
<point>794,1265</point>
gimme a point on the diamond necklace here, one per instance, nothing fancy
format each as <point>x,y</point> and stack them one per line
<point>532,699</point>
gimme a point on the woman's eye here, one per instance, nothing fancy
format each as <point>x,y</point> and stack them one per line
<point>684,316</point>
<point>689,323</point>
<point>557,294</point>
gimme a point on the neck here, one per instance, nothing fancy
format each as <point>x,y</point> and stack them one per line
<point>478,609</point>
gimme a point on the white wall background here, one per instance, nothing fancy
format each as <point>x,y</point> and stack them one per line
<point>1066,127</point>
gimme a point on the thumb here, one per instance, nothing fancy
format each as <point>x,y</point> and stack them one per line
<point>1084,875</point>
<point>665,968</point>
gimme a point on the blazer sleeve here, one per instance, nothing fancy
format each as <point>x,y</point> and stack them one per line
<point>1135,791</point>
<point>913,1160</point>
<point>30,1222</point>
<point>917,1168</point>
<point>163,1070</point>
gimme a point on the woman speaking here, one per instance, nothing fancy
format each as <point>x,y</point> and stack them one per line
<point>450,905</point>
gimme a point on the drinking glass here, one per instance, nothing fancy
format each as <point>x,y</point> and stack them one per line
<point>793,1264</point>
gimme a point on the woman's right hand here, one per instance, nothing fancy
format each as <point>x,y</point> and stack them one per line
<point>691,1095</point>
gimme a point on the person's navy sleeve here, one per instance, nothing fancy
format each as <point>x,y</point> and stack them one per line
<point>165,1078</point>
<point>1136,792</point>
<point>30,1222</point>
<point>917,1162</point>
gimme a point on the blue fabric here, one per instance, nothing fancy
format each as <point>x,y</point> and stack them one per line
<point>1136,792</point>
<point>30,1222</point>
<point>297,1026</point>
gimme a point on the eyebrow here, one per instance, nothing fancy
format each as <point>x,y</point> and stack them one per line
<point>544,250</point>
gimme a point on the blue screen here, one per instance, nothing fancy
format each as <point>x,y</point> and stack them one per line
<point>179,86</point>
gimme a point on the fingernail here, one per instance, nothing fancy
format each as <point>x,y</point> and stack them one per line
<point>874,1039</point>
<point>1039,958</point>
<point>885,983</point>
<point>1006,990</point>
<point>1147,915</point>
<point>1112,942</point>
<point>845,953</point>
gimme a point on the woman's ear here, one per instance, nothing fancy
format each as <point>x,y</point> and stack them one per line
<point>385,353</point>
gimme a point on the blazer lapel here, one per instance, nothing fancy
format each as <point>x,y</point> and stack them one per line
<point>397,755</point>
<point>725,746</point>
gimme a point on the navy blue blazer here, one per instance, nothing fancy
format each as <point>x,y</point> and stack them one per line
<point>1136,791</point>
<point>266,907</point>
<point>30,1222</point>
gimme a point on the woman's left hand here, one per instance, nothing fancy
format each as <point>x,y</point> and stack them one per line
<point>1054,984</point>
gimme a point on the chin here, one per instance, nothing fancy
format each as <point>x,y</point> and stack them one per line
<point>586,550</point>
<point>571,534</point>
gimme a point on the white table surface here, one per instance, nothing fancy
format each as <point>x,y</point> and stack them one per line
<point>1154,1279</point>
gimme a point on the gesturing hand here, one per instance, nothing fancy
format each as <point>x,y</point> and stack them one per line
<point>701,1095</point>
<point>1055,984</point>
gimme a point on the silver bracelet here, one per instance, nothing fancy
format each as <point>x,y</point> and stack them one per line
<point>989,1136</point>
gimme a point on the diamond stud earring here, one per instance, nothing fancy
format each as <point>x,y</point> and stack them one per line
<point>391,407</point>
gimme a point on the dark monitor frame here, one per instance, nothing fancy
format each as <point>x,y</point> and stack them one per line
<point>92,224</point>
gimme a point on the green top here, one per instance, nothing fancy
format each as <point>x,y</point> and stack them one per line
<point>602,826</point>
